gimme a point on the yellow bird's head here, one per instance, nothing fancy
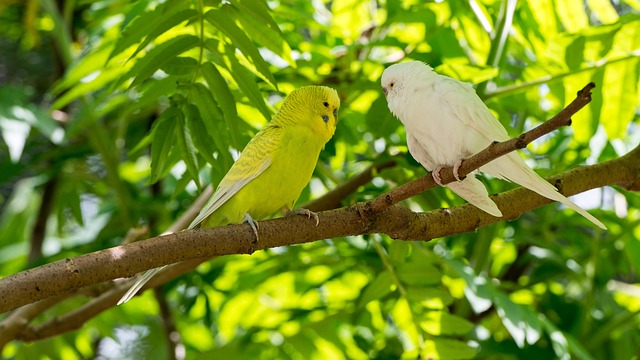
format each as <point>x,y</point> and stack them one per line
<point>313,106</point>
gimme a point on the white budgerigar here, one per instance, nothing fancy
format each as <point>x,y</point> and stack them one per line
<point>445,122</point>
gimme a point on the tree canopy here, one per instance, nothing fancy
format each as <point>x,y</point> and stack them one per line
<point>118,116</point>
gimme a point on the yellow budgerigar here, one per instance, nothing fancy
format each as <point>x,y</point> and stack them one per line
<point>273,168</point>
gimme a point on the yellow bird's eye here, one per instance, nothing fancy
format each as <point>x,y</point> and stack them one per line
<point>326,104</point>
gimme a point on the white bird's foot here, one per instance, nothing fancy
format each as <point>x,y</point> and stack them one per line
<point>456,166</point>
<point>436,175</point>
<point>308,213</point>
<point>254,225</point>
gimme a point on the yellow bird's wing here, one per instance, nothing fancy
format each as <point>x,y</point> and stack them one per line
<point>254,160</point>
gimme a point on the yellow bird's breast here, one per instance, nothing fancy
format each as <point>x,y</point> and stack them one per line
<point>293,160</point>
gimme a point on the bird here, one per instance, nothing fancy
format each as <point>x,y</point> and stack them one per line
<point>274,167</point>
<point>445,122</point>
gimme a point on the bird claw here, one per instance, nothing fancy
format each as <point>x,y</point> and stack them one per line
<point>308,213</point>
<point>254,225</point>
<point>456,166</point>
<point>436,172</point>
<point>436,175</point>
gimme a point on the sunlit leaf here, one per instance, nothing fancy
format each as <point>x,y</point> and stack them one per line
<point>247,83</point>
<point>160,55</point>
<point>222,19</point>
<point>148,23</point>
<point>441,323</point>
<point>442,348</point>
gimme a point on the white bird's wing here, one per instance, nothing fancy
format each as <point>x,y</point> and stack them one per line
<point>462,98</point>
<point>474,113</point>
<point>470,189</point>
<point>419,153</point>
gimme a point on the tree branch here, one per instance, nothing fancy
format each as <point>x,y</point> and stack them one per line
<point>333,199</point>
<point>75,319</point>
<point>398,222</point>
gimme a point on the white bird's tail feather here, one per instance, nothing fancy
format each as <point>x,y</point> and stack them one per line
<point>139,284</point>
<point>511,167</point>
<point>472,190</point>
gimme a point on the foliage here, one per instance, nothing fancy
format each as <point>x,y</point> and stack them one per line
<point>158,97</point>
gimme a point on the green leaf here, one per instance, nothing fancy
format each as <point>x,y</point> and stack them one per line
<point>148,23</point>
<point>160,55</point>
<point>521,322</point>
<point>258,10</point>
<point>398,251</point>
<point>266,36</point>
<point>220,90</point>
<point>163,133</point>
<point>563,344</point>
<point>187,149</point>
<point>449,349</point>
<point>247,83</point>
<point>151,94</point>
<point>223,20</point>
<point>430,297</point>
<point>603,10</point>
<point>379,287</point>
<point>181,66</point>
<point>82,88</point>
<point>91,63</point>
<point>619,88</point>
<point>198,130</point>
<point>168,21</point>
<point>418,273</point>
<point>211,118</point>
<point>442,323</point>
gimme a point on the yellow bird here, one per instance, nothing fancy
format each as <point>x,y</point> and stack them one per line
<point>273,168</point>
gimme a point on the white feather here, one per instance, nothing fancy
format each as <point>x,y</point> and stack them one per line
<point>446,121</point>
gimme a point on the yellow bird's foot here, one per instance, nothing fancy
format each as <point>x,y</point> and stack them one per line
<point>254,225</point>
<point>308,213</point>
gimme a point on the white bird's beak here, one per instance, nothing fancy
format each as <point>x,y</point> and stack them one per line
<point>385,91</point>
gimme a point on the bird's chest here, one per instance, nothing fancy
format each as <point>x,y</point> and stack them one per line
<point>291,168</point>
<point>439,130</point>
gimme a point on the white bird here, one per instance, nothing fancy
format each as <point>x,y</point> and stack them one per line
<point>446,122</point>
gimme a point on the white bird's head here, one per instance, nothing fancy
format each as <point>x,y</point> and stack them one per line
<point>397,78</point>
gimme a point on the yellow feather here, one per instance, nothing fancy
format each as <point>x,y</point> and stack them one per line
<point>274,167</point>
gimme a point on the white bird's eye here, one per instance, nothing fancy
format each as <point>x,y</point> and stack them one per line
<point>390,85</point>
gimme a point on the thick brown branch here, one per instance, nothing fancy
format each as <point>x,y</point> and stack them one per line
<point>78,317</point>
<point>397,221</point>
<point>333,199</point>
